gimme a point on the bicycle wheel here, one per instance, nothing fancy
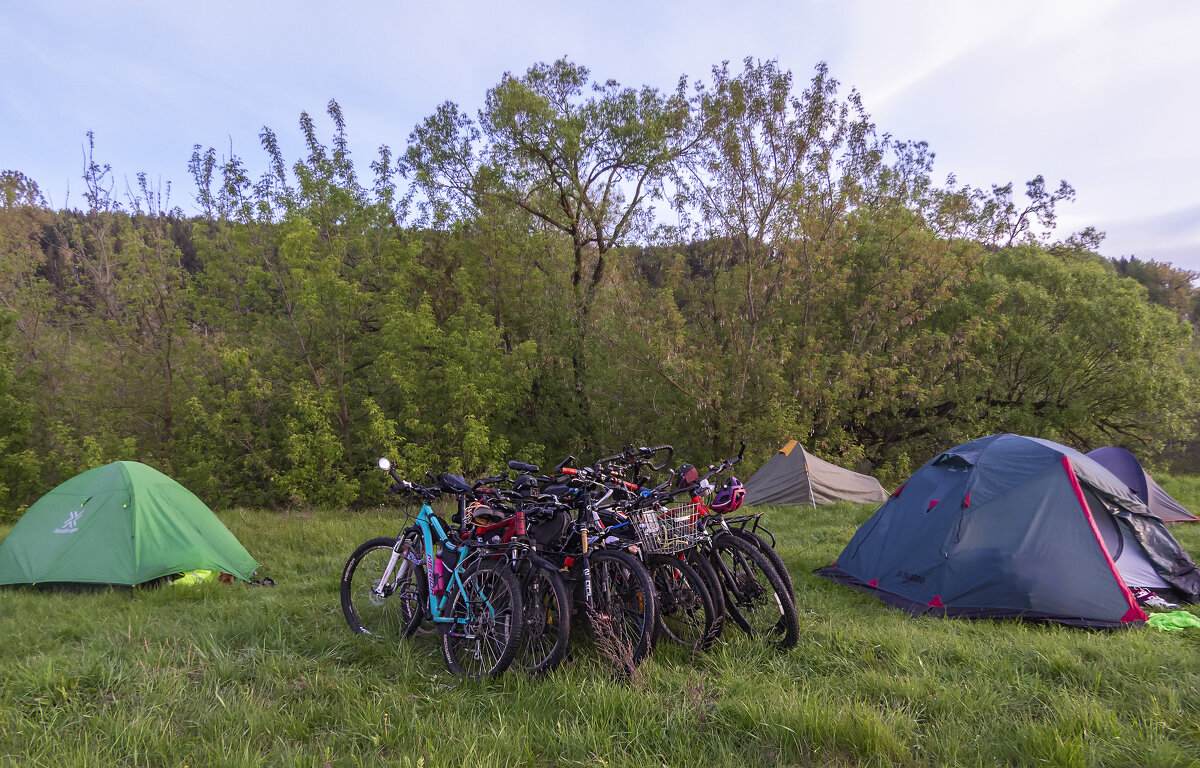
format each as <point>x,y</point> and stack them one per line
<point>547,606</point>
<point>685,606</point>
<point>755,595</point>
<point>383,609</point>
<point>624,611</point>
<point>772,556</point>
<point>485,603</point>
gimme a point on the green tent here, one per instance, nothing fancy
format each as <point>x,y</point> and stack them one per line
<point>123,523</point>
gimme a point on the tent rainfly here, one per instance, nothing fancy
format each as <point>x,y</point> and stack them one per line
<point>1016,527</point>
<point>795,476</point>
<point>1129,470</point>
<point>122,523</point>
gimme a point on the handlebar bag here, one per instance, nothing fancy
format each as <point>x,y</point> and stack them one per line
<point>686,475</point>
<point>549,530</point>
<point>453,483</point>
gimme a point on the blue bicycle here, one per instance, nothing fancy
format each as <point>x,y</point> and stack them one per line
<point>466,591</point>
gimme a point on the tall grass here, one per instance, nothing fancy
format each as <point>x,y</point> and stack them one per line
<point>235,675</point>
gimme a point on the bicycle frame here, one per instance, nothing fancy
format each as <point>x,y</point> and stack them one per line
<point>432,534</point>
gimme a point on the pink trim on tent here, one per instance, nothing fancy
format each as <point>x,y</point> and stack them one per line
<point>896,492</point>
<point>967,501</point>
<point>1135,612</point>
<point>936,602</point>
<point>873,583</point>
<point>933,503</point>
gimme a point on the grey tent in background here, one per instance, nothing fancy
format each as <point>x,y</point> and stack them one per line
<point>1129,470</point>
<point>795,476</point>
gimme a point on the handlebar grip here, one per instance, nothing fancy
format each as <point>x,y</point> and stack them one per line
<point>565,462</point>
<point>520,466</point>
<point>568,471</point>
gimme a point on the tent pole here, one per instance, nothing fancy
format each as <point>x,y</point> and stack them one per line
<point>808,481</point>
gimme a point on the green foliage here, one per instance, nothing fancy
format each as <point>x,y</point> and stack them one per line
<point>19,463</point>
<point>336,344</point>
<point>583,162</point>
<point>1075,353</point>
<point>1167,286</point>
<point>819,286</point>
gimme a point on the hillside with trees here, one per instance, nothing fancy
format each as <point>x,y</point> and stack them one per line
<point>577,266</point>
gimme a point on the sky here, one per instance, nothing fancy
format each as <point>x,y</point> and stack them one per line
<point>1103,94</point>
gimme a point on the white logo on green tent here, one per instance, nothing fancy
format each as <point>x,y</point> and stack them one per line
<point>72,523</point>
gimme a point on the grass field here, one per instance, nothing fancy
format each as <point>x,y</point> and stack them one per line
<point>249,676</point>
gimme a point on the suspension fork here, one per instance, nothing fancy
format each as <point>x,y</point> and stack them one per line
<point>402,553</point>
<point>587,567</point>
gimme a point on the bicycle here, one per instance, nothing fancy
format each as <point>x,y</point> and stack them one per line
<point>666,540</point>
<point>614,592</point>
<point>500,516</point>
<point>477,606</point>
<point>755,589</point>
<point>757,597</point>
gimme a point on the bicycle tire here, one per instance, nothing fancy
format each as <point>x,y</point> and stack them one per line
<point>755,595</point>
<point>686,613</point>
<point>768,552</point>
<point>488,601</point>
<point>547,606</point>
<point>623,616</point>
<point>394,612</point>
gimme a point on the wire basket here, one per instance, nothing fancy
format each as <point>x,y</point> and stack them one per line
<point>666,530</point>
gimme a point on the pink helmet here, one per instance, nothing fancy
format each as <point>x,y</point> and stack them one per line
<point>729,497</point>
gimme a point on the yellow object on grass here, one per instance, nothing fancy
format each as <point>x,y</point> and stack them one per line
<point>192,578</point>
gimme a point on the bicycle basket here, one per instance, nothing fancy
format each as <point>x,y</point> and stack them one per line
<point>665,530</point>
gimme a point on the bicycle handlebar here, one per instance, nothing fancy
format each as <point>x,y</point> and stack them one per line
<point>658,494</point>
<point>500,478</point>
<point>629,453</point>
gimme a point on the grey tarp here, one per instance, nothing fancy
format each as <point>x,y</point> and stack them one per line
<point>1010,526</point>
<point>795,476</point>
<point>1129,470</point>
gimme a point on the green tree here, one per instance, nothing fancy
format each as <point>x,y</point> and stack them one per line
<point>20,467</point>
<point>1165,284</point>
<point>821,248</point>
<point>1073,352</point>
<point>580,159</point>
<point>324,343</point>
